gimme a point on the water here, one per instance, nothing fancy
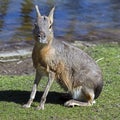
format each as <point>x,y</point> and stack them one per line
<point>73,18</point>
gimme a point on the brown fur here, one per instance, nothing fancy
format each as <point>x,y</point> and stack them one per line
<point>73,69</point>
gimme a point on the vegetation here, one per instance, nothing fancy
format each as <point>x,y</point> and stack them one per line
<point>15,91</point>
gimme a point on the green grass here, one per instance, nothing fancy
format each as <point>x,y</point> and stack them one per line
<point>15,91</point>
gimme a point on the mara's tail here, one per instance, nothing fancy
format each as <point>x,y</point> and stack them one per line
<point>98,89</point>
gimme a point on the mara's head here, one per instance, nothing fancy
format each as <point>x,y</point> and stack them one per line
<point>43,31</point>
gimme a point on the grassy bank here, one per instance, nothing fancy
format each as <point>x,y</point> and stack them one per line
<point>15,90</point>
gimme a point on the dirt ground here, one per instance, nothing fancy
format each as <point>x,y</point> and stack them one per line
<point>21,67</point>
<point>16,66</point>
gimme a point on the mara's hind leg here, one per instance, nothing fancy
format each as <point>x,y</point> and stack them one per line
<point>72,103</point>
<point>34,90</point>
<point>81,97</point>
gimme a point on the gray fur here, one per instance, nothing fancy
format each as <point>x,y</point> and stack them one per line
<point>73,69</point>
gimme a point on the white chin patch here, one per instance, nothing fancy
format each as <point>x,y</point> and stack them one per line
<point>43,40</point>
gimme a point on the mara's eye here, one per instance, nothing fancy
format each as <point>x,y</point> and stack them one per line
<point>50,26</point>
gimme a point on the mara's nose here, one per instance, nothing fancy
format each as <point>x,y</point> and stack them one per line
<point>42,34</point>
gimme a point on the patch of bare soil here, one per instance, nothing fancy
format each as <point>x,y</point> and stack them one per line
<point>22,67</point>
<point>13,61</point>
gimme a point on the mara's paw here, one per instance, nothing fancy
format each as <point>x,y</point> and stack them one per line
<point>26,106</point>
<point>93,102</point>
<point>40,107</point>
<point>90,103</point>
<point>69,103</point>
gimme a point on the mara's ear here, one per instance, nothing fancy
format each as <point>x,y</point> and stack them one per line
<point>51,15</point>
<point>37,11</point>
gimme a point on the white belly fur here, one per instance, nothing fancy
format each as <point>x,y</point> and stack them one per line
<point>77,93</point>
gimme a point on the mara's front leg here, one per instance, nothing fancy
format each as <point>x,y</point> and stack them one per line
<point>34,89</point>
<point>51,78</point>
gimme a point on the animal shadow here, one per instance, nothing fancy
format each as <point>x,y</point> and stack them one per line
<point>21,97</point>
